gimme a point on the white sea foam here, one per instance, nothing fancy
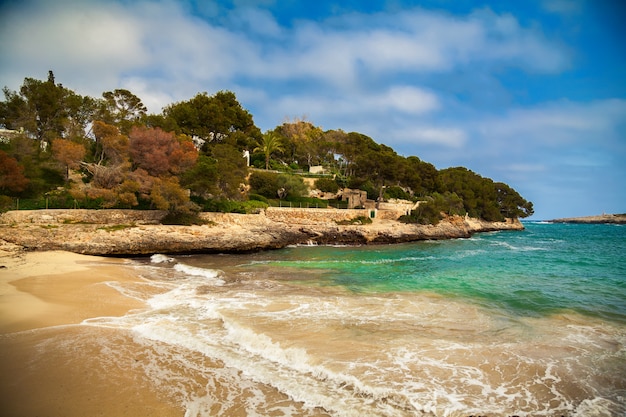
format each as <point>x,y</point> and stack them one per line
<point>519,248</point>
<point>395,355</point>
<point>211,275</point>
<point>159,259</point>
<point>421,376</point>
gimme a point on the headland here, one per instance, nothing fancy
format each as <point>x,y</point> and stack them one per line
<point>602,219</point>
<point>135,232</point>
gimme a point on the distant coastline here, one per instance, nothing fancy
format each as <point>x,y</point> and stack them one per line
<point>602,219</point>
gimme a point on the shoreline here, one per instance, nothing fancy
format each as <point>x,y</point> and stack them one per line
<point>51,288</point>
<point>65,368</point>
<point>126,233</point>
<point>602,219</point>
<point>51,360</point>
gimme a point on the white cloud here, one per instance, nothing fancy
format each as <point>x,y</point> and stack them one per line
<point>396,100</point>
<point>408,99</point>
<point>421,135</point>
<point>94,43</point>
<point>562,123</point>
<point>96,46</point>
<point>447,137</point>
<point>416,40</point>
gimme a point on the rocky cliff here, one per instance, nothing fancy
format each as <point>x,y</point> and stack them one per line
<point>603,219</point>
<point>127,232</point>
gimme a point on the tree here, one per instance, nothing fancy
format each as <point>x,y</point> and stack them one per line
<point>264,183</point>
<point>42,170</point>
<point>482,197</point>
<point>380,164</point>
<point>166,194</point>
<point>271,185</point>
<point>183,156</point>
<point>68,153</point>
<point>271,143</point>
<point>420,176</point>
<point>304,142</point>
<point>122,108</point>
<point>107,176</point>
<point>202,178</point>
<point>45,110</point>
<point>39,109</point>
<point>213,119</point>
<point>160,152</point>
<point>12,179</point>
<point>111,145</point>
<point>327,185</point>
<point>291,186</point>
<point>80,111</point>
<point>350,146</point>
<point>15,113</point>
<point>232,170</point>
<point>512,204</point>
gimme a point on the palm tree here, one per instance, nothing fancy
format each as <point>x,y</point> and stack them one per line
<point>271,143</point>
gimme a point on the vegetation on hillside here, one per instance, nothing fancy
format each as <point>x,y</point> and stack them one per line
<point>80,151</point>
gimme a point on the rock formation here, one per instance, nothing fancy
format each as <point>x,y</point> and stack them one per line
<point>605,218</point>
<point>129,232</point>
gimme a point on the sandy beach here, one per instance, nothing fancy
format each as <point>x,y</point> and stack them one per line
<point>53,365</point>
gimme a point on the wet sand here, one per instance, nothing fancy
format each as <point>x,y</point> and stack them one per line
<point>50,363</point>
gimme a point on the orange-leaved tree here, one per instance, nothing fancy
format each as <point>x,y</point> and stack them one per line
<point>68,153</point>
<point>159,152</point>
<point>12,179</point>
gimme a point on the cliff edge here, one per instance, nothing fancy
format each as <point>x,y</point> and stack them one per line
<point>132,232</point>
<point>603,219</point>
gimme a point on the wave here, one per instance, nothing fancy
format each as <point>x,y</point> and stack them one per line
<point>519,248</point>
<point>211,275</point>
<point>313,244</point>
<point>159,259</point>
<point>290,370</point>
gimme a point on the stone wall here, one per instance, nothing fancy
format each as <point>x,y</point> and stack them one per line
<point>312,215</point>
<point>83,216</point>
<point>277,214</point>
<point>235,218</point>
<point>114,216</point>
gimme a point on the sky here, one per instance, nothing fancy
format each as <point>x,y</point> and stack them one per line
<point>531,93</point>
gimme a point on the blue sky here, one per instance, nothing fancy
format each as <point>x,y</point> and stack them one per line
<point>531,93</point>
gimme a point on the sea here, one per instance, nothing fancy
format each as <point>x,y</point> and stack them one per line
<point>515,323</point>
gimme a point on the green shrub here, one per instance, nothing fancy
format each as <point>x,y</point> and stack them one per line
<point>267,184</point>
<point>327,185</point>
<point>426,213</point>
<point>231,206</point>
<point>365,185</point>
<point>257,197</point>
<point>254,206</point>
<point>264,183</point>
<point>307,202</point>
<point>396,192</point>
<point>6,203</point>
<point>294,185</point>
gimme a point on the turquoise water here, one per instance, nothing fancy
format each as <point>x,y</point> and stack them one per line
<point>545,269</point>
